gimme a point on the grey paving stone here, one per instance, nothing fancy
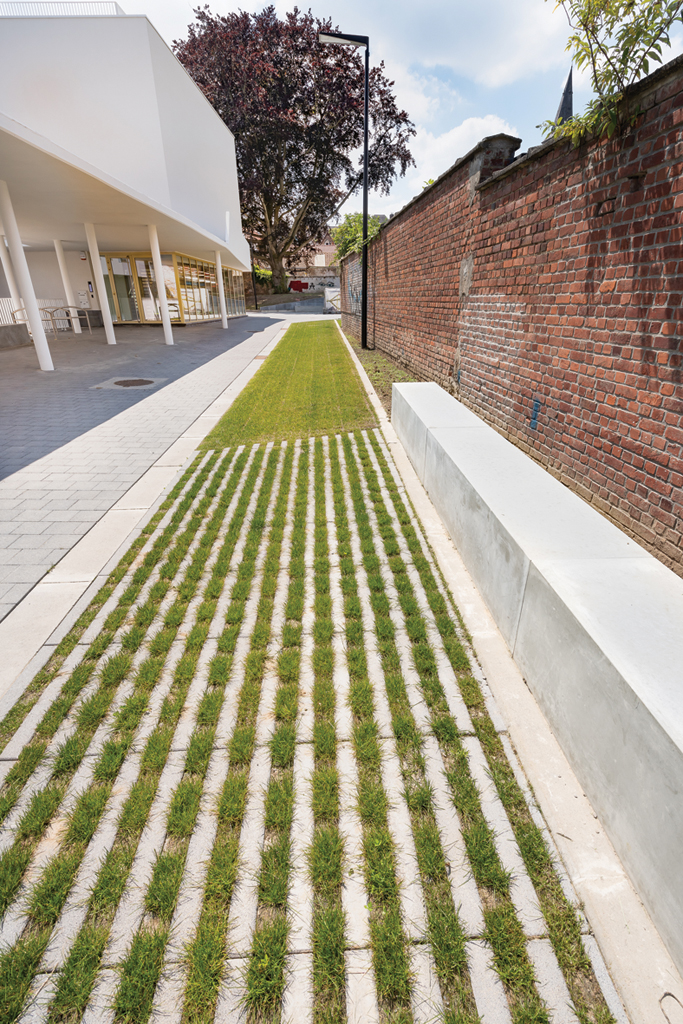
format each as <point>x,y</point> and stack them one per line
<point>552,987</point>
<point>489,994</point>
<point>361,999</point>
<point>24,566</point>
<point>29,540</point>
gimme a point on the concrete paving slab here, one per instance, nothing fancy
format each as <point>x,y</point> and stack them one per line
<point>30,624</point>
<point>148,488</point>
<point>86,560</point>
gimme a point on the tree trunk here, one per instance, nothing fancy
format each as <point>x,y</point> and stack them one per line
<point>279,273</point>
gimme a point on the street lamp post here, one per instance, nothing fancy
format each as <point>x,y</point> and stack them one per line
<point>345,39</point>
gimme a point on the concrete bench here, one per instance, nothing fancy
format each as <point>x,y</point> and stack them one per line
<point>594,622</point>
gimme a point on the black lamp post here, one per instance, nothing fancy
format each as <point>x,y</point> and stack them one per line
<point>345,39</point>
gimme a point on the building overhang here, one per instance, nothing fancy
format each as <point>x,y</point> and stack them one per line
<point>54,194</point>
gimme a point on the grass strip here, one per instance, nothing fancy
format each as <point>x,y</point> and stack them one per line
<point>56,880</point>
<point>18,712</point>
<point>503,929</point>
<point>326,851</point>
<point>136,992</point>
<point>389,945</point>
<point>445,933</point>
<point>78,975</point>
<point>33,753</point>
<point>307,386</point>
<point>266,970</point>
<point>45,802</point>
<point>564,927</point>
<point>205,955</point>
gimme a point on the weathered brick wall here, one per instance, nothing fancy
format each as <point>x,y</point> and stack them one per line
<point>546,295</point>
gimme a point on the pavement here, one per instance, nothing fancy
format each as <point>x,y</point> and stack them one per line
<point>74,442</point>
<point>133,444</point>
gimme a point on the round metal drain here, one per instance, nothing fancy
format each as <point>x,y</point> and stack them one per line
<point>138,382</point>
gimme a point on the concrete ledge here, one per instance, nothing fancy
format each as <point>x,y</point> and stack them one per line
<point>14,336</point>
<point>594,622</point>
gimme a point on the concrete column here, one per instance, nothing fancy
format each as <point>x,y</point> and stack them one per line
<point>68,290</point>
<point>9,274</point>
<point>99,283</point>
<point>161,286</point>
<point>221,291</point>
<point>16,251</point>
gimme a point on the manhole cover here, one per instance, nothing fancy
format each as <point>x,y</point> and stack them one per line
<point>142,383</point>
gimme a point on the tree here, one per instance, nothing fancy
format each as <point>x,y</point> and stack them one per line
<point>295,107</point>
<point>348,237</point>
<point>617,40</point>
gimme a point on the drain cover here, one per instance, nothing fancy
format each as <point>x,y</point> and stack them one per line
<point>142,383</point>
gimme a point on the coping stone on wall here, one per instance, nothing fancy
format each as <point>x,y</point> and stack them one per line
<point>593,620</point>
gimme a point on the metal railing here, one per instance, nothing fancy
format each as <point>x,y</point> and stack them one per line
<point>59,10</point>
<point>7,311</point>
<point>55,314</point>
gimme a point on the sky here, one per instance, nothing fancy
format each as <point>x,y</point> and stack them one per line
<point>462,70</point>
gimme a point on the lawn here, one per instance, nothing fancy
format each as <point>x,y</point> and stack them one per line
<point>308,386</point>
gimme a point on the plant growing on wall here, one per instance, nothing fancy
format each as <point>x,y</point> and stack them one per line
<point>618,41</point>
<point>348,237</point>
<point>295,108</point>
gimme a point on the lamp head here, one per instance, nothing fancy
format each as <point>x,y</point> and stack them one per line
<point>343,39</point>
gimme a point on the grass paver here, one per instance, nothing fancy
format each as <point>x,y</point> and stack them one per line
<point>262,776</point>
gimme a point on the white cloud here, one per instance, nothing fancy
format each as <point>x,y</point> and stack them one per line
<point>433,154</point>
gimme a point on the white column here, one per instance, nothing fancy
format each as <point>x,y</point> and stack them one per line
<point>161,284</point>
<point>9,274</point>
<point>68,290</point>
<point>221,291</point>
<point>99,283</point>
<point>16,251</point>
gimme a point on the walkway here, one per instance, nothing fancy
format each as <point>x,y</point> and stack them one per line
<point>71,449</point>
<point>259,776</point>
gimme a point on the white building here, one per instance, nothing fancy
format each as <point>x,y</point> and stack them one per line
<point>115,173</point>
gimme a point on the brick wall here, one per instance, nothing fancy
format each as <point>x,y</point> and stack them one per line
<point>545,293</point>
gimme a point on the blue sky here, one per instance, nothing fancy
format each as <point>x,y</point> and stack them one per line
<point>462,70</point>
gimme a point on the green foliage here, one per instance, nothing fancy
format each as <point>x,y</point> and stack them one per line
<point>618,41</point>
<point>348,237</point>
<point>264,277</point>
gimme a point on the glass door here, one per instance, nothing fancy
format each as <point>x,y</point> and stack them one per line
<point>124,288</point>
<point>149,297</point>
<point>113,307</point>
<point>147,284</point>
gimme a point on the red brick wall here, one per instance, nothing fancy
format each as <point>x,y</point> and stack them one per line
<point>546,296</point>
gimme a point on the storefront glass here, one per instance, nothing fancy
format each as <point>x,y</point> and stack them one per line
<point>191,288</point>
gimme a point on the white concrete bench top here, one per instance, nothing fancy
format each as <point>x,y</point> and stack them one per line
<point>629,602</point>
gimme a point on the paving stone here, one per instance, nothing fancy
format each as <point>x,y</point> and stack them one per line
<point>297,999</point>
<point>489,994</point>
<point>361,1000</point>
<point>552,987</point>
<point>426,1001</point>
